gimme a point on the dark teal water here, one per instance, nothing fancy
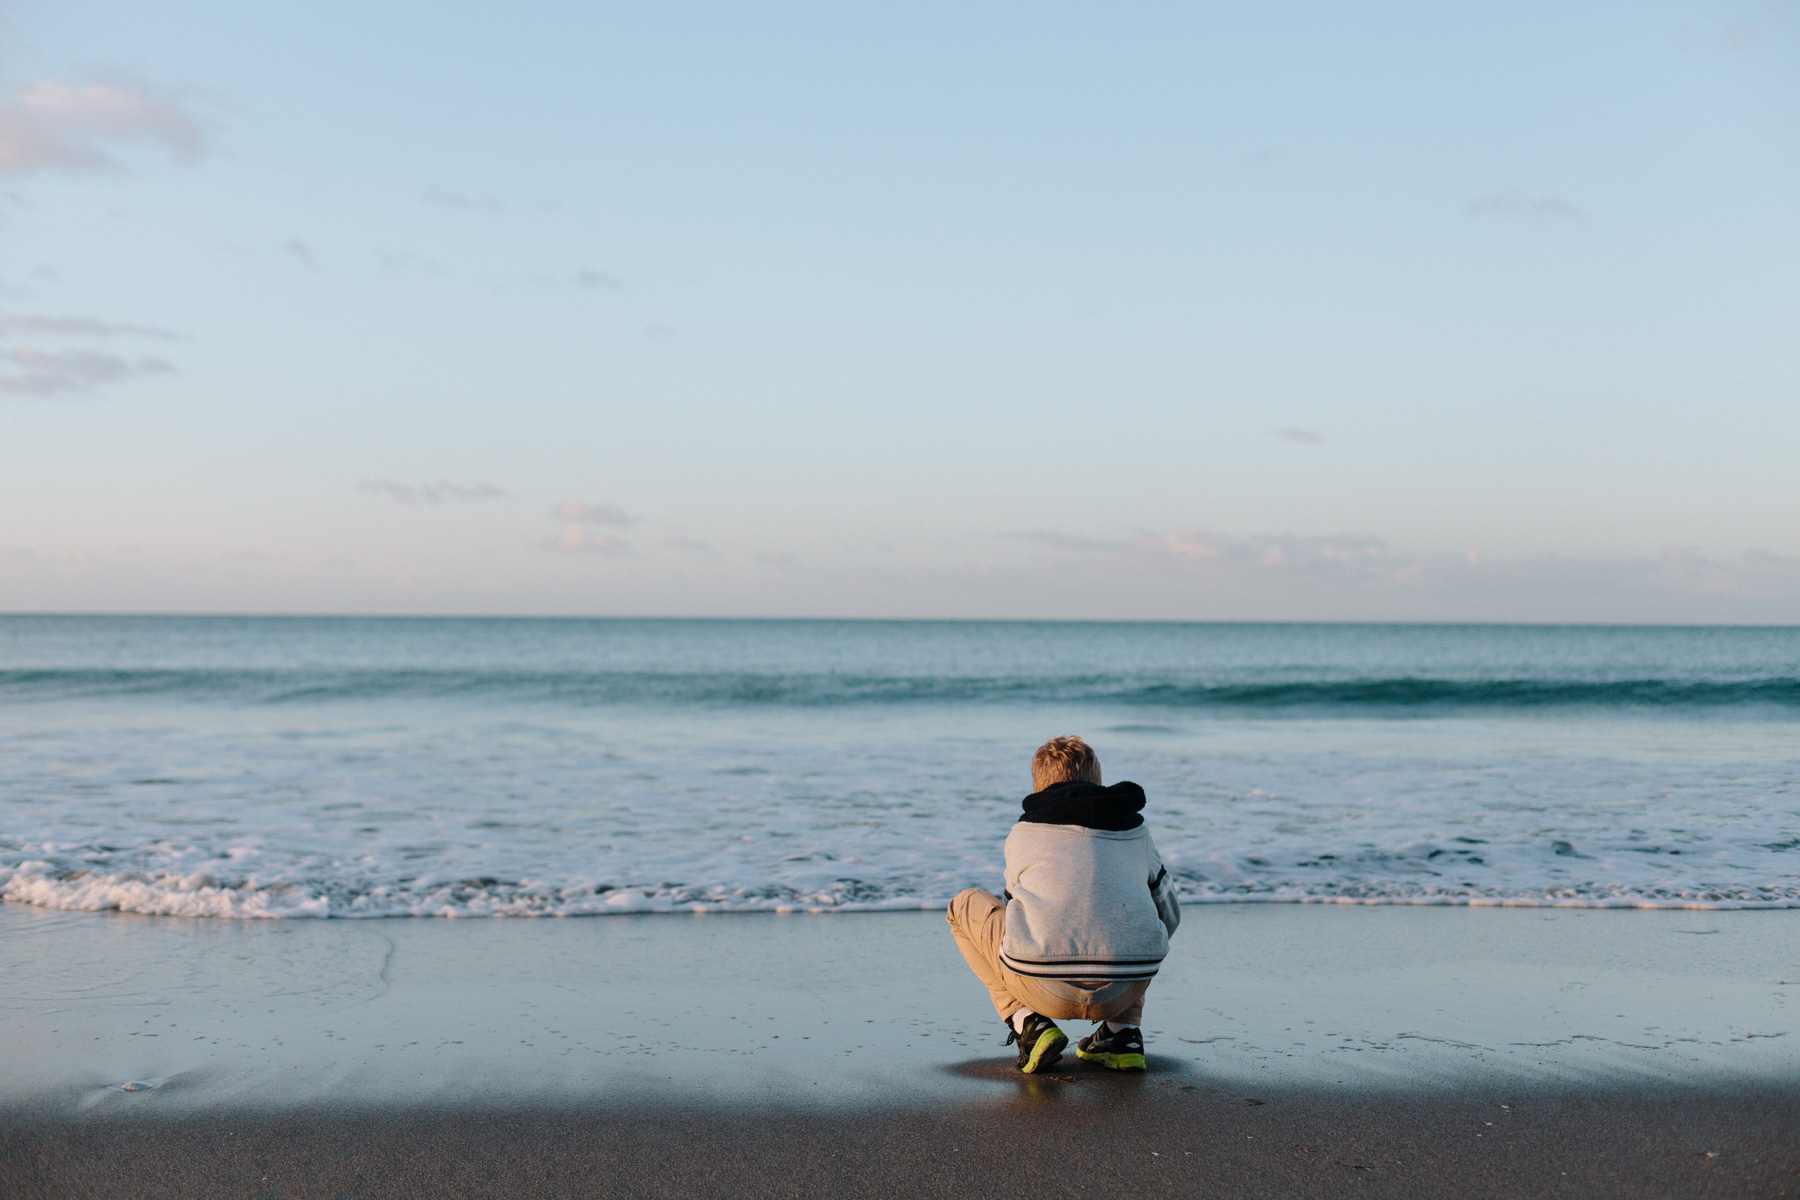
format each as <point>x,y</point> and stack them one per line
<point>1336,668</point>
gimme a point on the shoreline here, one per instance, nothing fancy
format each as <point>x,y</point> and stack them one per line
<point>652,1057</point>
<point>906,905</point>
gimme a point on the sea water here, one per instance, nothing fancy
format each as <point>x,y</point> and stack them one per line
<point>298,767</point>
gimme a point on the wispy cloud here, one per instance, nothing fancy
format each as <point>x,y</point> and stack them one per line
<point>582,525</point>
<point>79,127</point>
<point>410,494</point>
<point>589,277</point>
<point>406,261</point>
<point>583,539</point>
<point>1730,35</point>
<point>38,323</point>
<point>35,372</point>
<point>1755,574</point>
<point>578,513</point>
<point>1686,556</point>
<point>441,197</point>
<point>1361,574</point>
<point>1063,541</point>
<point>1358,554</point>
<point>1511,202</point>
<point>1303,437</point>
<point>1738,34</point>
<point>47,366</point>
<point>301,252</point>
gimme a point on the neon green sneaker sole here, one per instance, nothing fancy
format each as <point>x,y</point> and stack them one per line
<point>1048,1049</point>
<point>1112,1062</point>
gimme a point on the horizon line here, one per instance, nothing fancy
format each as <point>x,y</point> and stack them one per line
<point>363,616</point>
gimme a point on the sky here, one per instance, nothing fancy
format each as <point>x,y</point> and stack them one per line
<point>1444,312</point>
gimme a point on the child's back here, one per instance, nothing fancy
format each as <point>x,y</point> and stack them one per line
<point>1082,878</point>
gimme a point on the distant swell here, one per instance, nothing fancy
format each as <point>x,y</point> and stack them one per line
<point>592,689</point>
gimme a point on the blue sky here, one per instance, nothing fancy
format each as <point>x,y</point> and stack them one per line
<point>1461,312</point>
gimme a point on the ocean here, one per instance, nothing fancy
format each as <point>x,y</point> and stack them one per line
<point>377,767</point>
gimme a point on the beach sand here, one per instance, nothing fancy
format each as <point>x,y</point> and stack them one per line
<point>1080,1137</point>
<point>1394,1051</point>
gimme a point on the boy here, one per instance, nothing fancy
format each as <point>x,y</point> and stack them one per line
<point>1087,917</point>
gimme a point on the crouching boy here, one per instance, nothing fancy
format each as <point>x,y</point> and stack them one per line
<point>1086,918</point>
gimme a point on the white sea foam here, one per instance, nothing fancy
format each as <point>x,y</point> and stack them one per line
<point>429,813</point>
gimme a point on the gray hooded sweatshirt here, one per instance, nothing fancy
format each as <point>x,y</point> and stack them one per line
<point>1087,897</point>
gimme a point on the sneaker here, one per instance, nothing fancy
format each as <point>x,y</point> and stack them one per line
<point>1040,1045</point>
<point>1121,1051</point>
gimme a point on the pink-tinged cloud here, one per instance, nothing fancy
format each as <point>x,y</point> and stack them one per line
<point>583,539</point>
<point>1342,554</point>
<point>1367,578</point>
<point>46,125</point>
<point>1357,553</point>
<point>410,494</point>
<point>36,372</point>
<point>1755,574</point>
<point>1687,556</point>
<point>591,514</point>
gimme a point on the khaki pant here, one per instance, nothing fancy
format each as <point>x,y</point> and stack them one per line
<point>978,919</point>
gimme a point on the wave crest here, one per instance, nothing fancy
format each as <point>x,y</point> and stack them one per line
<point>751,689</point>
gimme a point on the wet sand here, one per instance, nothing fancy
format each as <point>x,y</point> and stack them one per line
<point>1078,1137</point>
<point>1614,1053</point>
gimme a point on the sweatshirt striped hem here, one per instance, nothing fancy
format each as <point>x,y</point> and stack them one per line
<point>1110,970</point>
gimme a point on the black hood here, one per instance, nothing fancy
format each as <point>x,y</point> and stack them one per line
<point>1087,804</point>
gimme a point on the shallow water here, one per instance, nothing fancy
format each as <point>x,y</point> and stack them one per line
<point>370,767</point>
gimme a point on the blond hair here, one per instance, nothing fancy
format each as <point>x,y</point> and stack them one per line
<point>1064,760</point>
